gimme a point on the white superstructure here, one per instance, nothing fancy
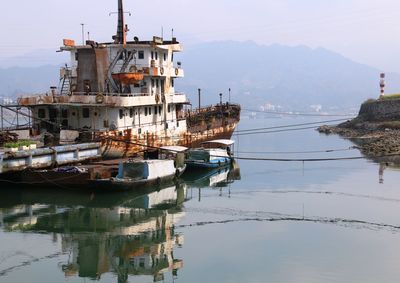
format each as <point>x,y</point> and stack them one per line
<point>123,94</point>
<point>117,86</point>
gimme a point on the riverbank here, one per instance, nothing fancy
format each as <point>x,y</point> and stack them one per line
<point>375,131</point>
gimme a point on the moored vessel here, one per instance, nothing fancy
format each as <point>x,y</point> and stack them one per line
<point>122,94</point>
<point>212,154</point>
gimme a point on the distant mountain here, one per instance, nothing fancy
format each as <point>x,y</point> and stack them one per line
<point>36,58</point>
<point>292,77</point>
<point>19,80</point>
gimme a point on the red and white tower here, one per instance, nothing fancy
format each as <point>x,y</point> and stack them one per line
<point>382,85</point>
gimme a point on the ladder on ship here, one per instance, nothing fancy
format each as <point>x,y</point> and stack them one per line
<point>127,60</point>
<point>65,81</point>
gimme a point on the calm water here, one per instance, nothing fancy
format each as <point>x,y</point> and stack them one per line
<point>333,221</point>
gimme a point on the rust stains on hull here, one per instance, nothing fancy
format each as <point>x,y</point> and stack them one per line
<point>202,126</point>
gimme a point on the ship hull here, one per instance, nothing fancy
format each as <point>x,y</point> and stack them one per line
<point>127,145</point>
<point>204,125</point>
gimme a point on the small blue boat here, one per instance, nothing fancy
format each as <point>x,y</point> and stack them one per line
<point>212,154</point>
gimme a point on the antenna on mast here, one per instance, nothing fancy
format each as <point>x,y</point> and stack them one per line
<point>121,32</point>
<point>122,28</point>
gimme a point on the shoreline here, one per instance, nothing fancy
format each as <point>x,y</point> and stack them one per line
<point>379,141</point>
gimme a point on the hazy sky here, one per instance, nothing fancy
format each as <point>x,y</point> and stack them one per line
<point>366,31</point>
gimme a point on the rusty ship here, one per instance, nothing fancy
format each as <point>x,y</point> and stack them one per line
<point>122,94</point>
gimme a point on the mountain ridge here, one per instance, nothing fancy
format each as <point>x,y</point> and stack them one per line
<point>281,75</point>
<point>258,75</point>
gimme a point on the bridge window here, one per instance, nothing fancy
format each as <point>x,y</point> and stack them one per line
<point>131,112</point>
<point>155,110</point>
<point>145,111</point>
<point>42,113</point>
<point>165,56</point>
<point>64,113</point>
<point>141,54</point>
<point>121,113</point>
<point>152,55</point>
<point>53,113</point>
<point>85,113</point>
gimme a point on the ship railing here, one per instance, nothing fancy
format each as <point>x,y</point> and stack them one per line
<point>122,94</point>
<point>209,109</point>
<point>160,124</point>
<point>144,67</point>
<point>111,94</point>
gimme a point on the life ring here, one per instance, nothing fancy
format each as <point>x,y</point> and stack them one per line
<point>176,71</point>
<point>99,98</point>
<point>157,98</point>
<point>163,98</point>
<point>162,71</point>
<point>132,69</point>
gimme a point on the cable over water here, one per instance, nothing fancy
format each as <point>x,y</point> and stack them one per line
<point>299,152</point>
<point>278,131</point>
<point>298,113</point>
<point>290,125</point>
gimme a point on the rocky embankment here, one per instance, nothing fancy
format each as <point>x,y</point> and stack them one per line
<point>376,130</point>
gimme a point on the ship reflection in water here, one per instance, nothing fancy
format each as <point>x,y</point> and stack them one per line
<point>129,235</point>
<point>219,177</point>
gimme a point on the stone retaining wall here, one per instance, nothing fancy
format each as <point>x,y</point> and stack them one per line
<point>380,110</point>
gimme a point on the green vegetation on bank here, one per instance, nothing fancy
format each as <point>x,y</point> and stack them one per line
<point>386,97</point>
<point>391,96</point>
<point>18,144</point>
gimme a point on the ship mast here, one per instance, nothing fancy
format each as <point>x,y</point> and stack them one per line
<point>121,30</point>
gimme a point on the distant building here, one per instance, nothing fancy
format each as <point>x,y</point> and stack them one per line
<point>316,108</point>
<point>6,100</point>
